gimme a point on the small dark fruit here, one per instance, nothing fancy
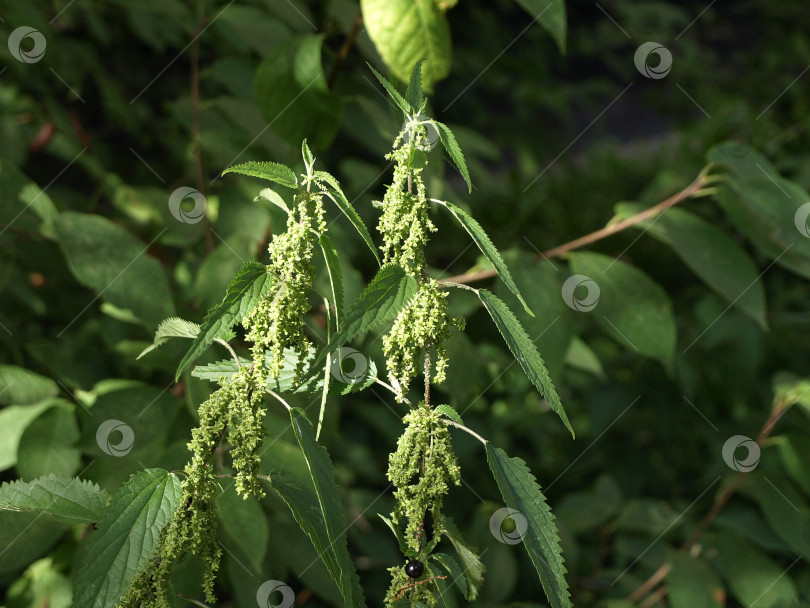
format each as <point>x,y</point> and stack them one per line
<point>414,568</point>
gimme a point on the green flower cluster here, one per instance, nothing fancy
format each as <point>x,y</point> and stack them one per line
<point>423,324</point>
<point>422,468</point>
<point>405,224</point>
<point>277,321</point>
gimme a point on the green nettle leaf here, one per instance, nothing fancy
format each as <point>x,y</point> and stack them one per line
<point>67,499</point>
<point>403,545</point>
<point>213,372</point>
<point>765,207</point>
<point>115,264</point>
<point>693,584</point>
<point>632,308</point>
<point>274,172</point>
<point>484,243</point>
<point>247,287</point>
<point>754,578</point>
<point>48,445</point>
<point>414,95</point>
<point>712,255</point>
<point>405,31</point>
<point>21,386</point>
<point>291,91</point>
<point>270,195</point>
<point>306,153</point>
<point>456,155</point>
<point>521,492</point>
<point>173,327</point>
<point>330,256</point>
<point>455,572</point>
<point>395,95</point>
<point>126,537</point>
<point>451,413</point>
<point>470,561</point>
<point>336,558</point>
<point>524,351</point>
<point>333,188</point>
<point>245,523</point>
<point>387,294</point>
<point>551,15</point>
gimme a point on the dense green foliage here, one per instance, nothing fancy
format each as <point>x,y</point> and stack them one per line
<point>196,311</point>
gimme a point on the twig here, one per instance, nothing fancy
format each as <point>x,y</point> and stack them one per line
<point>412,585</point>
<point>776,412</point>
<point>688,192</point>
<point>343,53</point>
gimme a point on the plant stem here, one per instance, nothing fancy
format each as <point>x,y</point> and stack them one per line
<point>688,192</point>
<point>466,430</point>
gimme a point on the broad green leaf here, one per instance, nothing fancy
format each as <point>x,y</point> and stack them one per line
<point>524,351</point>
<point>323,478</point>
<point>245,523</point>
<point>713,256</point>
<point>48,445</point>
<point>405,31</point>
<point>765,207</point>
<point>67,499</point>
<point>522,493</point>
<point>247,287</point>
<point>115,264</point>
<point>173,327</point>
<point>470,561</point>
<point>754,578</point>
<point>21,386</point>
<point>457,156</point>
<point>333,188</point>
<point>580,356</point>
<point>693,584</point>
<point>274,172</point>
<point>785,510</point>
<point>551,15</point>
<point>395,95</point>
<point>414,95</point>
<point>24,204</point>
<point>482,240</point>
<point>330,256</point>
<point>126,537</point>
<point>291,91</point>
<point>451,413</point>
<point>794,450</point>
<point>14,419</point>
<point>454,571</point>
<point>632,308</point>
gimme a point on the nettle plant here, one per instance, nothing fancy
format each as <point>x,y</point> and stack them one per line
<point>158,518</point>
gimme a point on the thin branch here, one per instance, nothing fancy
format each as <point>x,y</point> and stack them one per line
<point>412,585</point>
<point>343,53</point>
<point>690,191</point>
<point>776,412</point>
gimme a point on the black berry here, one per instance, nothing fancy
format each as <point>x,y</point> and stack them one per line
<point>414,568</point>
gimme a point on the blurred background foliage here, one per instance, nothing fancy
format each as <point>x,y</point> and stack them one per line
<point>133,100</point>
